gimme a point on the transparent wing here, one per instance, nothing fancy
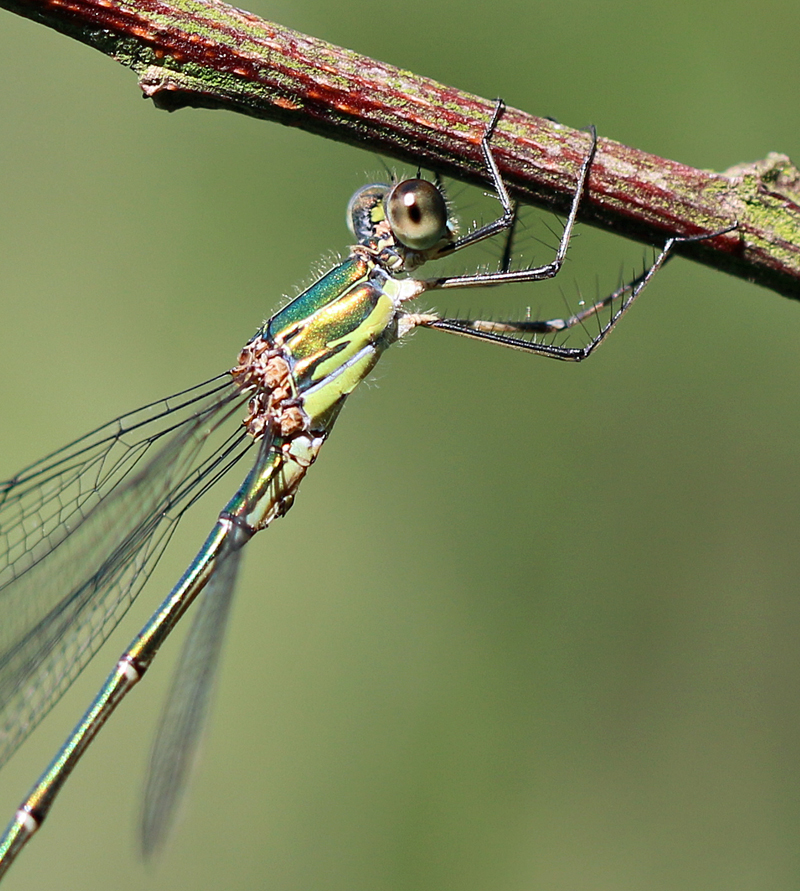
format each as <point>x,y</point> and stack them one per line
<point>185,711</point>
<point>81,530</point>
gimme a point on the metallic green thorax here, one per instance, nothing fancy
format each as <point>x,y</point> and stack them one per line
<point>333,334</point>
<point>303,363</point>
<point>309,356</point>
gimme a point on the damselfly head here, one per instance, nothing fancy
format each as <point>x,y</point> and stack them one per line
<point>411,214</point>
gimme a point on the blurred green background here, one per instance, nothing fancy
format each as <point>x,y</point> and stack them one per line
<point>529,626</point>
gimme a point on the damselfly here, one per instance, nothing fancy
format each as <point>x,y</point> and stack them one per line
<point>82,529</point>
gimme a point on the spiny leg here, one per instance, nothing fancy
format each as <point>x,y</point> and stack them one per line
<point>506,221</point>
<point>513,334</point>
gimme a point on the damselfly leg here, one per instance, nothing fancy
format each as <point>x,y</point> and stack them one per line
<point>520,335</point>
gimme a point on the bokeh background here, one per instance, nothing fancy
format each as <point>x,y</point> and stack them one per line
<point>529,625</point>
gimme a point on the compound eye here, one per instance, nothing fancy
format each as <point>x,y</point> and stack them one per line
<point>417,213</point>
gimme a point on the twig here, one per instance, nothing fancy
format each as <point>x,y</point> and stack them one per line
<point>203,53</point>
